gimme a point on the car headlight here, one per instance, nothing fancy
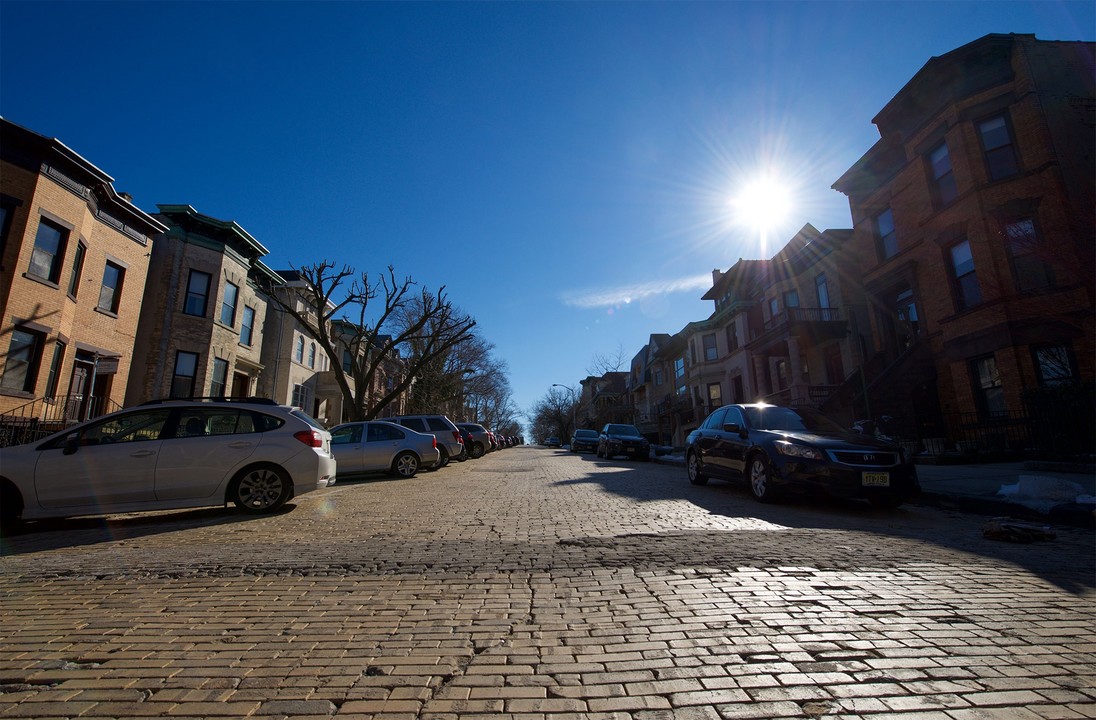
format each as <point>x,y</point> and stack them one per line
<point>799,451</point>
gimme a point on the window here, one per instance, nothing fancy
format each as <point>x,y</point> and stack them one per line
<point>110,294</point>
<point>77,269</point>
<point>302,396</point>
<point>1054,365</point>
<point>298,353</point>
<point>966,290</point>
<point>658,377</point>
<point>347,435</point>
<point>49,249</point>
<point>247,326</point>
<point>312,355</point>
<point>220,378</point>
<point>732,336</point>
<point>1025,252</point>
<point>906,312</point>
<point>791,299</point>
<point>186,369</point>
<point>715,394</point>
<point>384,433</point>
<point>55,369</point>
<point>987,386</point>
<point>679,368</point>
<point>997,146</point>
<point>885,235</point>
<point>822,290</point>
<point>24,357</point>
<point>197,293</point>
<point>228,305</point>
<point>774,308</point>
<point>942,176</point>
<point>347,361</point>
<point>136,426</point>
<point>715,420</point>
<point>202,422</point>
<point>711,352</point>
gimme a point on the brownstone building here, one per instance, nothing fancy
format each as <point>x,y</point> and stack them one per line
<point>974,228</point>
<point>74,254</point>
<point>201,331</point>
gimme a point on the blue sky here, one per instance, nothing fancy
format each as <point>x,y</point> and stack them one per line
<point>567,170</point>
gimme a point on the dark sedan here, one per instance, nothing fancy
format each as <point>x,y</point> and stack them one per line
<point>616,439</point>
<point>584,440</point>
<point>776,449</point>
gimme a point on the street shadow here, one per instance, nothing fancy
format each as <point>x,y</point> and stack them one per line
<point>33,536</point>
<point>923,531</point>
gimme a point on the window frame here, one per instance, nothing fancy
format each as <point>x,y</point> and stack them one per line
<point>711,351</point>
<point>78,257</point>
<point>298,351</point>
<point>989,392</point>
<point>176,375</point>
<point>247,326</point>
<point>1067,359</point>
<point>227,307</point>
<point>945,188</point>
<point>1030,260</point>
<point>191,294</point>
<point>886,243</point>
<point>218,377</point>
<point>53,376</point>
<point>960,286</point>
<point>989,155</point>
<point>115,296</point>
<point>31,352</point>
<point>56,258</point>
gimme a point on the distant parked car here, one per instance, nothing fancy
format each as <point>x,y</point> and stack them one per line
<point>584,440</point>
<point>378,446</point>
<point>776,449</point>
<point>617,439</point>
<point>478,443</point>
<point>166,455</point>
<point>450,442</point>
<point>553,442</point>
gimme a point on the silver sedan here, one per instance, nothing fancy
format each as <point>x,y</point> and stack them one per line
<point>378,446</point>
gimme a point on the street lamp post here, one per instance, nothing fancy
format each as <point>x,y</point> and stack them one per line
<point>574,420</point>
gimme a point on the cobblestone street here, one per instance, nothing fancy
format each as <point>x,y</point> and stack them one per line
<point>535,583</point>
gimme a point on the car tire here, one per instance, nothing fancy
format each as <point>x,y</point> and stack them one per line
<point>405,465</point>
<point>760,478</point>
<point>11,508</point>
<point>696,473</point>
<point>443,460</point>
<point>477,451</point>
<point>260,489</point>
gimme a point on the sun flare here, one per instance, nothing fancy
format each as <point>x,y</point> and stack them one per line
<point>762,204</point>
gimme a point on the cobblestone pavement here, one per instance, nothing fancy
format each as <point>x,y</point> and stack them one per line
<point>537,584</point>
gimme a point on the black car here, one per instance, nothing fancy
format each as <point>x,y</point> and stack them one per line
<point>616,439</point>
<point>584,440</point>
<point>776,449</point>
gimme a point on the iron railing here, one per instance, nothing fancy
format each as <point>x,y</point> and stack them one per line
<point>45,416</point>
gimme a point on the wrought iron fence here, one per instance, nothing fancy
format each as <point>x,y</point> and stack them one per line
<point>45,416</point>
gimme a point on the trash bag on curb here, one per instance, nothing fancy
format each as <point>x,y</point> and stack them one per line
<point>1015,531</point>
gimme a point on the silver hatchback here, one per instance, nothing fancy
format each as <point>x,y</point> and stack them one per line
<point>377,446</point>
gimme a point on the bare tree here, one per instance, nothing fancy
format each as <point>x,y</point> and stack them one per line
<point>553,415</point>
<point>601,364</point>
<point>339,309</point>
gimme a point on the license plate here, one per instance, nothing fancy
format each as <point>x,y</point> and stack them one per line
<point>876,479</point>
<point>629,449</point>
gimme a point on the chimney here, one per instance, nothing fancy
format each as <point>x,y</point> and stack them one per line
<point>716,275</point>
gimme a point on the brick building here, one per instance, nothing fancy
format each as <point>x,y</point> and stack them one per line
<point>74,255</point>
<point>201,331</point>
<point>974,229</point>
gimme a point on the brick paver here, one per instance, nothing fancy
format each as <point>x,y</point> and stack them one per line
<point>539,584</point>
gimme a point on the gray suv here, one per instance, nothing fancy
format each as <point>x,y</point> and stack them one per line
<point>481,439</point>
<point>450,443</point>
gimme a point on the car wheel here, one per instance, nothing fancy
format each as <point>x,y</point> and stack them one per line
<point>11,508</point>
<point>761,481</point>
<point>477,450</point>
<point>444,459</point>
<point>405,465</point>
<point>260,489</point>
<point>696,473</point>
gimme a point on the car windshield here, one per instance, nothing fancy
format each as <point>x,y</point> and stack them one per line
<point>623,430</point>
<point>585,433</point>
<point>781,418</point>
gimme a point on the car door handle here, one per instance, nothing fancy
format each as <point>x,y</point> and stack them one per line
<point>142,453</point>
<point>239,444</point>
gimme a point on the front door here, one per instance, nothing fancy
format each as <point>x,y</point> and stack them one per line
<point>78,391</point>
<point>241,385</point>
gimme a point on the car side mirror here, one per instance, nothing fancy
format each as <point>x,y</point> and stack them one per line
<point>734,428</point>
<point>72,443</point>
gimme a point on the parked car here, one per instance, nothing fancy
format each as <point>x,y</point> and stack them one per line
<point>166,455</point>
<point>617,439</point>
<point>584,440</point>
<point>479,443</point>
<point>379,446</point>
<point>776,449</point>
<point>450,442</point>
<point>553,442</point>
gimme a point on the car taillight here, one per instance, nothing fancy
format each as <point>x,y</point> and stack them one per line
<point>457,437</point>
<point>311,438</point>
<point>434,440</point>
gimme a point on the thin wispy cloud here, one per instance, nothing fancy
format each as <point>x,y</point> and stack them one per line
<point>614,297</point>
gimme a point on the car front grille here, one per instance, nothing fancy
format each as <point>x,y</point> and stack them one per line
<point>864,458</point>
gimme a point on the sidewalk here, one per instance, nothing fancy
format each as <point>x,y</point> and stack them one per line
<point>1044,492</point>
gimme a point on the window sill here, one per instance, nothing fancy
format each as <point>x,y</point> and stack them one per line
<point>42,281</point>
<point>108,313</point>
<point>7,392</point>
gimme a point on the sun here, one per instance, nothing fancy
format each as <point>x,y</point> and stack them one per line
<point>762,204</point>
